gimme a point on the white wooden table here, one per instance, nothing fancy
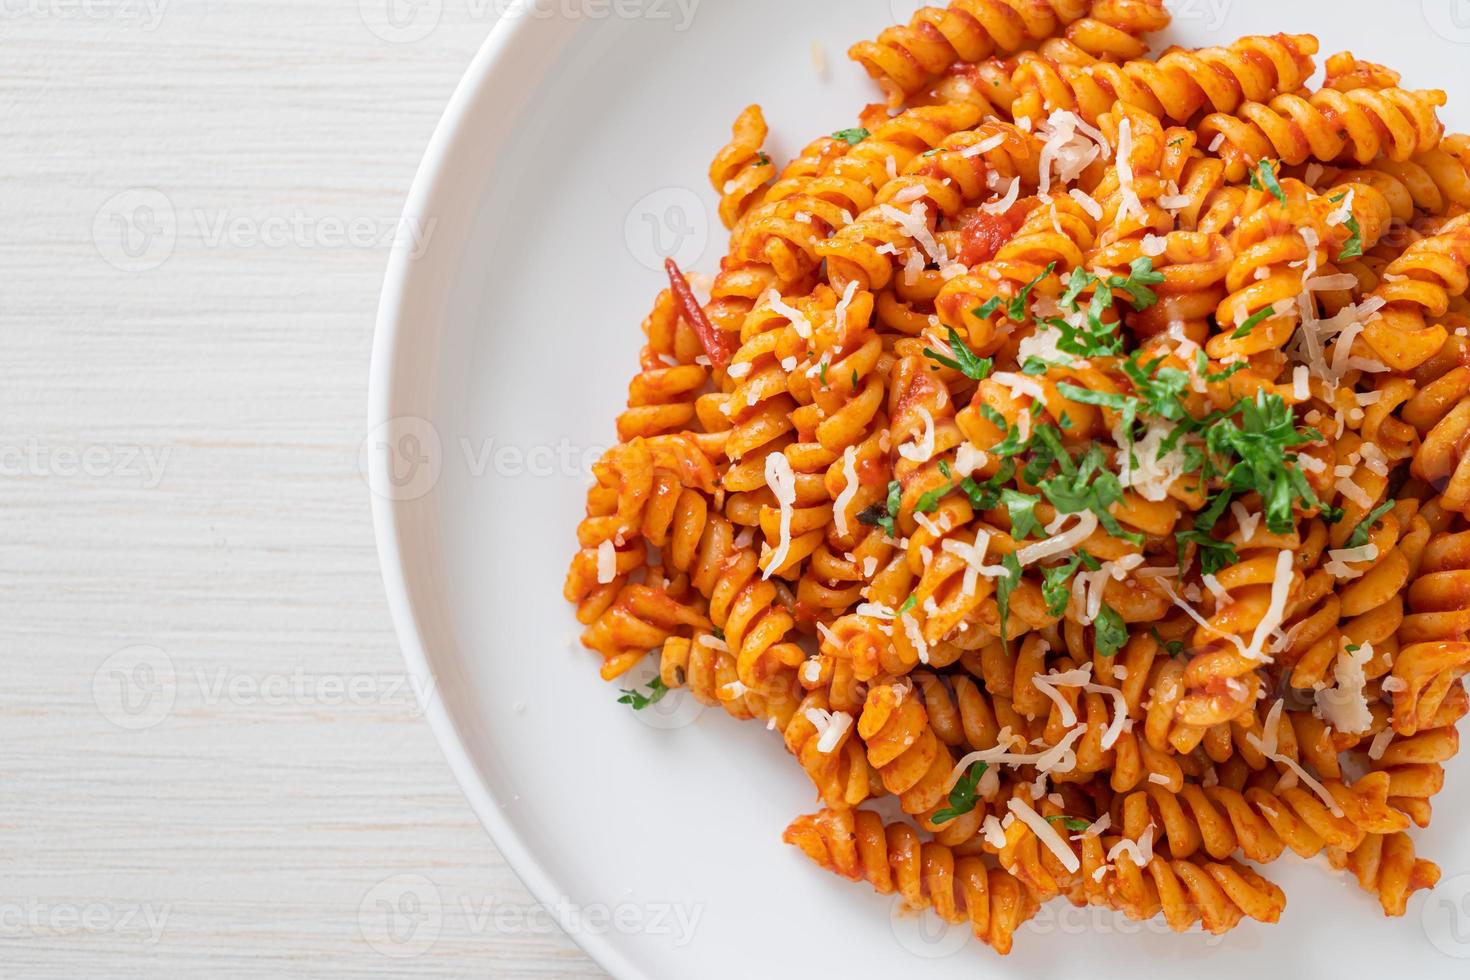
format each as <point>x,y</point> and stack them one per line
<point>210,764</point>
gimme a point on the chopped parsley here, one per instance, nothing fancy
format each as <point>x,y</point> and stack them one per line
<point>1017,309</point>
<point>1364,531</point>
<point>1251,322</point>
<point>1004,586</point>
<point>852,137</point>
<point>1056,583</point>
<point>1173,647</point>
<point>1353,247</point>
<point>1089,486</point>
<point>1260,442</point>
<point>1110,633</point>
<point>1071,823</point>
<point>963,797</point>
<point>1263,178</point>
<point>883,517</point>
<point>908,604</point>
<point>1022,508</point>
<point>1214,554</point>
<point>637,700</point>
<point>964,360</point>
<point>761,160</point>
<point>929,502</point>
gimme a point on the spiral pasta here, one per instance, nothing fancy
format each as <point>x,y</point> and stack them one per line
<point>1076,451</point>
<point>905,58</point>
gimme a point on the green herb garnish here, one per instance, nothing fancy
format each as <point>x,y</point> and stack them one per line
<point>1263,178</point>
<point>1022,508</point>
<point>637,700</point>
<point>1361,534</point>
<point>1004,586</point>
<point>1110,633</point>
<point>962,797</point>
<point>1255,320</point>
<point>964,360</point>
<point>1071,823</point>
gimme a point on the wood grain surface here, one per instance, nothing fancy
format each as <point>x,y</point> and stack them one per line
<point>212,765</point>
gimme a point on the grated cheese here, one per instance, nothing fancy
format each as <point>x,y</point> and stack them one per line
<point>1339,563</point>
<point>968,458</point>
<point>799,322</point>
<point>1048,684</point>
<point>1130,202</point>
<point>1005,203</point>
<point>1060,758</point>
<point>1355,493</point>
<point>1086,524</point>
<point>782,481</point>
<point>916,636</point>
<point>1140,852</point>
<point>1120,722</point>
<point>915,224</point>
<point>607,562</point>
<point>1087,202</point>
<point>1247,522</point>
<point>974,557</point>
<point>1019,384</point>
<point>921,450</point>
<point>849,491</point>
<point>1045,833</point>
<point>830,726</point>
<point>1344,706</point>
<point>983,147</point>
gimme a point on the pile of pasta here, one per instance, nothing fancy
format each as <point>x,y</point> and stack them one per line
<point>1074,456</point>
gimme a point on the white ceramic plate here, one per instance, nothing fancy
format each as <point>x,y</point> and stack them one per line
<point>572,155</point>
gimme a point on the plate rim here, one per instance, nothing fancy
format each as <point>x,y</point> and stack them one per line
<point>391,329</point>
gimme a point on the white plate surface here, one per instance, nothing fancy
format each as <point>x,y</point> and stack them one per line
<point>503,353</point>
